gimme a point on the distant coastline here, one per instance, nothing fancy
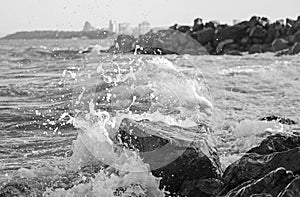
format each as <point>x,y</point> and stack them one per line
<point>97,34</point>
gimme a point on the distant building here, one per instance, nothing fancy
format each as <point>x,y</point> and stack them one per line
<point>144,27</point>
<point>113,27</point>
<point>124,28</point>
<point>88,27</point>
<point>236,21</point>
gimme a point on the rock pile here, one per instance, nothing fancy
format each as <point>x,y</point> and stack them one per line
<point>258,35</point>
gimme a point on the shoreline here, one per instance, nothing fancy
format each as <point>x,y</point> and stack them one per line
<point>257,35</point>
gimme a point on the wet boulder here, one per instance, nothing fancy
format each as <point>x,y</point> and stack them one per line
<point>254,166</point>
<point>182,157</point>
<point>279,44</point>
<point>292,189</point>
<point>271,184</point>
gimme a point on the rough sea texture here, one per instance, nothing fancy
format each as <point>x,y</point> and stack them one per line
<point>42,84</point>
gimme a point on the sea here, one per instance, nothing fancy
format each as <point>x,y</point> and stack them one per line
<point>60,108</point>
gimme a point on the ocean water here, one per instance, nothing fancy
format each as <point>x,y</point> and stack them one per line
<point>60,109</point>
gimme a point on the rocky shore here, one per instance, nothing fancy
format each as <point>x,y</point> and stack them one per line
<point>258,35</point>
<point>271,169</point>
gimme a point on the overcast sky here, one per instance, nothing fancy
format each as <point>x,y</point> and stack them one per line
<point>18,15</point>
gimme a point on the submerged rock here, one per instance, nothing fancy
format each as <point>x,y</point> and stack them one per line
<point>182,157</point>
<point>281,120</point>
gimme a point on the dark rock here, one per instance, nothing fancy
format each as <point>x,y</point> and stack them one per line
<point>210,25</point>
<point>271,184</point>
<point>290,22</point>
<point>281,120</point>
<point>272,33</point>
<point>204,36</point>
<point>254,166</point>
<point>258,32</point>
<point>266,48</point>
<point>255,49</point>
<point>297,25</point>
<point>290,31</point>
<point>198,24</point>
<point>210,49</point>
<point>296,37</point>
<point>265,22</point>
<point>235,32</point>
<point>254,21</point>
<point>257,41</point>
<point>292,190</point>
<point>206,187</point>
<point>174,27</point>
<point>221,45</point>
<point>279,44</point>
<point>172,154</point>
<point>234,53</point>
<point>244,40</point>
<point>184,29</point>
<point>295,49</point>
<point>171,41</point>
<point>276,143</point>
<point>231,47</point>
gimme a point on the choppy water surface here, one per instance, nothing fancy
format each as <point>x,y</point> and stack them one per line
<point>49,93</point>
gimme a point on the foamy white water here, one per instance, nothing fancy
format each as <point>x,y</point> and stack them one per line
<point>227,93</point>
